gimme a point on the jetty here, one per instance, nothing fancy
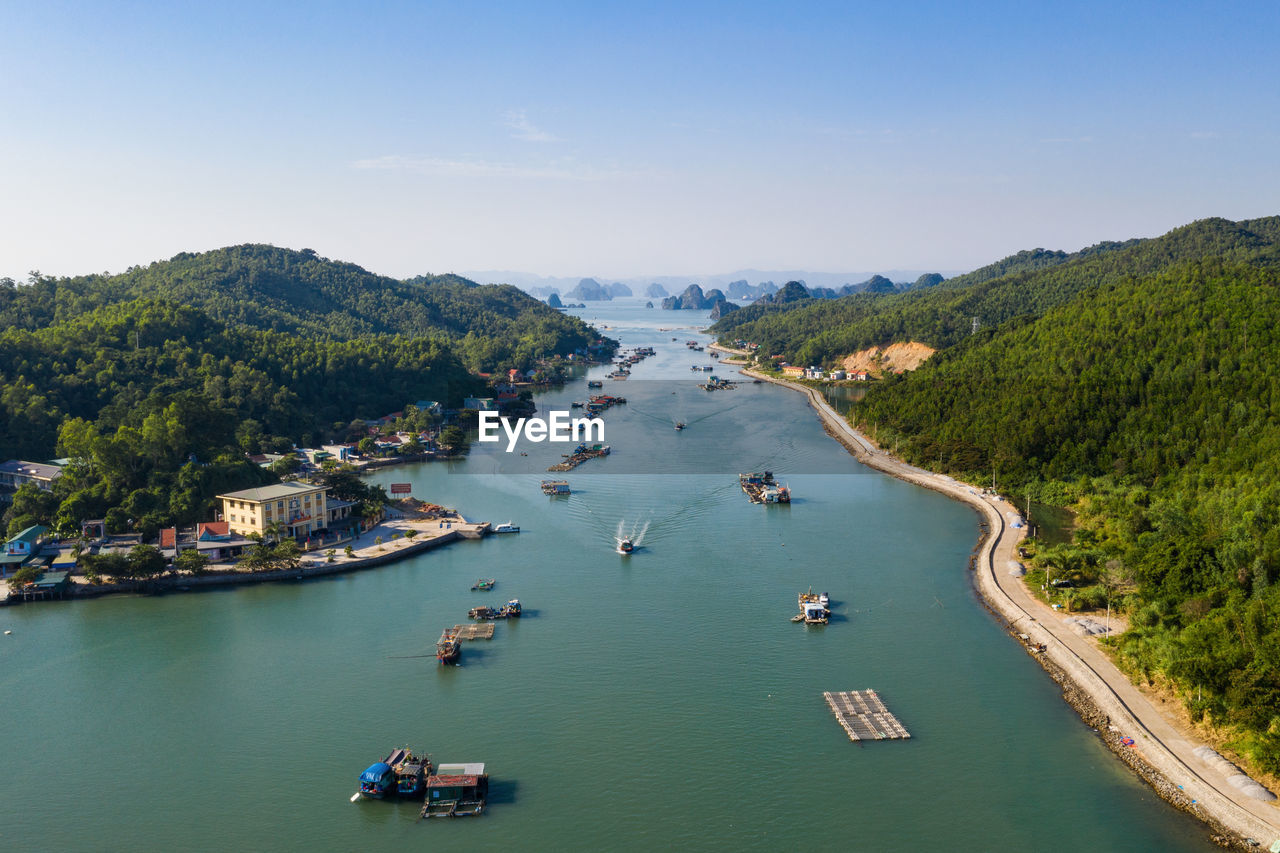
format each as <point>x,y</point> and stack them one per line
<point>864,717</point>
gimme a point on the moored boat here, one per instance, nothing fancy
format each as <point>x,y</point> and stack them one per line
<point>556,487</point>
<point>411,773</point>
<point>379,780</point>
<point>484,584</point>
<point>761,488</point>
<point>482,613</point>
<point>448,647</point>
<point>510,610</point>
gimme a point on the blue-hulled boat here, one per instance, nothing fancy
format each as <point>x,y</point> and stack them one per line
<point>380,779</point>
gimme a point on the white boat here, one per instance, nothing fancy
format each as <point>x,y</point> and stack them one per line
<point>506,527</point>
<point>625,546</point>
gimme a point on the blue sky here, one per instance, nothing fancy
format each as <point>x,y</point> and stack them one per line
<point>624,139</point>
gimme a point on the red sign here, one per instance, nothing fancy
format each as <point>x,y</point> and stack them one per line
<point>401,488</point>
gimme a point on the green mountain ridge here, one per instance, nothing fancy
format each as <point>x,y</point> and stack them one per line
<point>1025,284</point>
<point>1139,383</point>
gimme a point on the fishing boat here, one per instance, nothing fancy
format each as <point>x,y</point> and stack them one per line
<point>411,774</point>
<point>448,647</point>
<point>506,527</point>
<point>510,610</point>
<point>595,383</point>
<point>379,780</point>
<point>761,488</point>
<point>556,487</point>
<point>577,404</point>
<point>815,614</point>
<point>484,584</point>
<point>482,613</point>
<point>814,607</point>
<point>626,546</point>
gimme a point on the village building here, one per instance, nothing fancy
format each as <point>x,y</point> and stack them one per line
<point>299,508</point>
<point>22,550</point>
<point>15,473</point>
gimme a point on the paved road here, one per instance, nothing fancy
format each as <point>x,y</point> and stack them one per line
<point>1157,738</point>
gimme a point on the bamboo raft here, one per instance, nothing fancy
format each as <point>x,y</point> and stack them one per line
<point>474,631</point>
<point>864,717</point>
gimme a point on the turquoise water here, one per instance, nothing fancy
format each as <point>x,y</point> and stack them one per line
<point>663,699</point>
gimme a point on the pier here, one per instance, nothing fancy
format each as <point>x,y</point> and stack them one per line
<point>864,717</point>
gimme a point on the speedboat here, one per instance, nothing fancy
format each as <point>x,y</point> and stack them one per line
<point>506,527</point>
<point>680,424</point>
<point>625,546</point>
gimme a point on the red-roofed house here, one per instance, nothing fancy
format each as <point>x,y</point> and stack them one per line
<point>208,531</point>
<point>168,538</point>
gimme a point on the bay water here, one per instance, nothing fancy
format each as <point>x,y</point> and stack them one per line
<point>661,699</point>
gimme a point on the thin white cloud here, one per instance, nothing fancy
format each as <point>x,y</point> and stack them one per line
<point>525,129</point>
<point>470,168</point>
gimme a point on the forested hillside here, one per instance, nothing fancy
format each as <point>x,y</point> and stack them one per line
<point>157,381</point>
<point>1153,403</point>
<point>1140,385</point>
<point>298,292</point>
<point>1023,285</point>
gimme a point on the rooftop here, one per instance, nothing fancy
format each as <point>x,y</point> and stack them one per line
<point>38,470</point>
<point>271,493</point>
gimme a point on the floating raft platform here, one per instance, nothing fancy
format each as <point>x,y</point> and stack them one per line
<point>474,631</point>
<point>864,717</point>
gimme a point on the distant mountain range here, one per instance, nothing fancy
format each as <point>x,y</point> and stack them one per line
<point>757,282</point>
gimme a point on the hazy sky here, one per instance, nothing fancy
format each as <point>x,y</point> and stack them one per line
<point>624,139</point>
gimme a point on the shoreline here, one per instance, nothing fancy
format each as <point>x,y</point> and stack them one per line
<point>313,564</point>
<point>1088,679</point>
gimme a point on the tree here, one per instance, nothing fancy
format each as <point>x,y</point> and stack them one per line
<point>23,576</point>
<point>146,561</point>
<point>452,438</point>
<point>191,561</point>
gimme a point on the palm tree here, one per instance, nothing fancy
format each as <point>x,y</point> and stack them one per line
<point>274,532</point>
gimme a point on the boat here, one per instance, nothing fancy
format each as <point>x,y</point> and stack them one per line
<point>595,383</point>
<point>482,613</point>
<point>577,404</point>
<point>510,610</point>
<point>626,546</point>
<point>456,790</point>
<point>448,647</point>
<point>484,584</point>
<point>680,424</point>
<point>555,487</point>
<point>379,780</point>
<point>814,608</point>
<point>761,488</point>
<point>815,614</point>
<point>506,527</point>
<point>411,774</point>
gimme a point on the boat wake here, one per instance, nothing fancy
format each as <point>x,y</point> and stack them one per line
<point>635,535</point>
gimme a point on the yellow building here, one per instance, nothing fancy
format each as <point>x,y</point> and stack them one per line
<point>299,509</point>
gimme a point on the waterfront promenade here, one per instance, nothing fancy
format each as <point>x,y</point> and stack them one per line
<point>1161,752</point>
